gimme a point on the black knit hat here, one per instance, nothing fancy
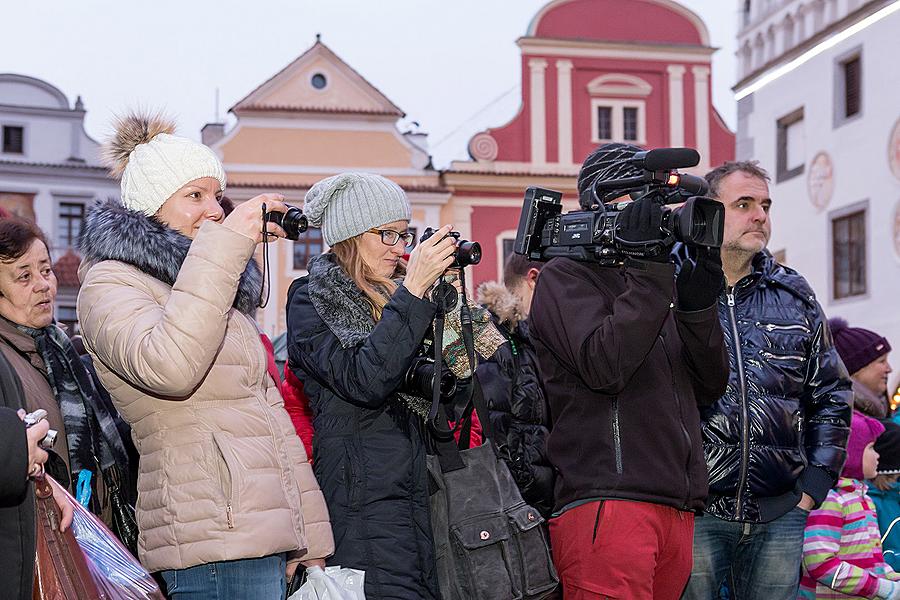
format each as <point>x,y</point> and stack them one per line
<point>609,161</point>
<point>857,346</point>
<point>888,448</point>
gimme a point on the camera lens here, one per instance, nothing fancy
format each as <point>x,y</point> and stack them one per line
<point>468,253</point>
<point>294,222</point>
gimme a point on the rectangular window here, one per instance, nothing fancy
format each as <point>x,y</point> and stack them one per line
<point>604,122</point>
<point>615,120</point>
<point>791,151</point>
<point>68,228</point>
<point>630,123</point>
<point>13,139</point>
<point>848,254</point>
<point>508,245</point>
<point>852,86</point>
<point>309,245</point>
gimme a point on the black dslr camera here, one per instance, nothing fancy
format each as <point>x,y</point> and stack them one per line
<point>467,253</point>
<point>592,235</point>
<point>293,221</point>
<point>419,379</point>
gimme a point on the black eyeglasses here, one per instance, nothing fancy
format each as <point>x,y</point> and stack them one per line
<point>389,237</point>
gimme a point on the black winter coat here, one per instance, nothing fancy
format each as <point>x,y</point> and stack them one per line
<point>781,428</point>
<point>16,491</point>
<point>369,449</point>
<point>624,374</point>
<point>515,398</point>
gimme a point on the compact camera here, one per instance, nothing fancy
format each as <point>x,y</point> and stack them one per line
<point>33,418</point>
<point>294,222</point>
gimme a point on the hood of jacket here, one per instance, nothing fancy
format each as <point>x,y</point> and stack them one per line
<point>504,305</point>
<point>113,232</point>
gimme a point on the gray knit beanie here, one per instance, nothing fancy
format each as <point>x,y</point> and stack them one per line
<point>349,204</point>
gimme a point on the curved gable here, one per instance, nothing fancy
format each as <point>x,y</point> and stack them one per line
<point>21,90</point>
<point>652,21</point>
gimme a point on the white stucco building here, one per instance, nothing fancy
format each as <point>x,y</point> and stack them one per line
<point>50,171</point>
<point>819,106</point>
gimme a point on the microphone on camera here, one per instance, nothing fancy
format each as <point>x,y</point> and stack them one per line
<point>666,159</point>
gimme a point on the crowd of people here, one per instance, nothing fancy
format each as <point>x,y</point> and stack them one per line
<point>684,424</point>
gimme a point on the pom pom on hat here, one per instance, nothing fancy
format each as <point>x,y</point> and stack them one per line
<point>153,163</point>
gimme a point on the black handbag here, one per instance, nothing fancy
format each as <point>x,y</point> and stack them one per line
<point>488,542</point>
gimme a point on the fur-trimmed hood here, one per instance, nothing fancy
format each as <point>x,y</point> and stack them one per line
<point>113,232</point>
<point>505,305</point>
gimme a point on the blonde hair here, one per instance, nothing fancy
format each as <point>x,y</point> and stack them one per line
<point>377,289</point>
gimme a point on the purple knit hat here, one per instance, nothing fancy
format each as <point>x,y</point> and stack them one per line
<point>863,431</point>
<point>857,346</point>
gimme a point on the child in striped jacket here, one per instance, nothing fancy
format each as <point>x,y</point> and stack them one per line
<point>842,545</point>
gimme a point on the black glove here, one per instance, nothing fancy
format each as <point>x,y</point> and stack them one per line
<point>700,280</point>
<point>640,222</point>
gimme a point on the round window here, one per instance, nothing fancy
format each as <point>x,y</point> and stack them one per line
<point>318,81</point>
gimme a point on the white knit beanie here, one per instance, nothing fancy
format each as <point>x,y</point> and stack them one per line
<point>349,204</point>
<point>154,164</point>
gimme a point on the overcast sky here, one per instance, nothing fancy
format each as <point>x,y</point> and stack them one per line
<point>451,65</point>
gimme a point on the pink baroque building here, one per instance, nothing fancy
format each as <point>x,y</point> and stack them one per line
<point>593,71</point>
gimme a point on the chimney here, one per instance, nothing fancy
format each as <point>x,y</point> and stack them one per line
<point>212,133</point>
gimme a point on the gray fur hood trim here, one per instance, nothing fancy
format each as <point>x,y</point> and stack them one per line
<point>338,300</point>
<point>113,232</point>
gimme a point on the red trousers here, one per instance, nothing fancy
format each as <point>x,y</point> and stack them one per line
<point>623,549</point>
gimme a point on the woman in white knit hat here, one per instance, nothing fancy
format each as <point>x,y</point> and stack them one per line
<point>227,502</point>
<point>355,324</point>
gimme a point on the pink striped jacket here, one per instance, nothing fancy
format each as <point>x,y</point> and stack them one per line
<point>842,547</point>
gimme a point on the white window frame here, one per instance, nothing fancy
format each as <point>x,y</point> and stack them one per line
<point>507,234</point>
<point>618,120</point>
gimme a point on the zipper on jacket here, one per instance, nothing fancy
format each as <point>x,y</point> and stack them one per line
<point>229,515</point>
<point>684,431</point>
<point>771,356</point>
<point>617,438</point>
<point>745,417</point>
<point>770,327</point>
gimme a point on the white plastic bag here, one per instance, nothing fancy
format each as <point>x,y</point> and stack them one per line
<point>334,583</point>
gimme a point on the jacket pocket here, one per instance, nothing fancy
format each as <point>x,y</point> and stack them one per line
<point>230,475</point>
<point>483,565</point>
<point>616,433</point>
<point>531,551</point>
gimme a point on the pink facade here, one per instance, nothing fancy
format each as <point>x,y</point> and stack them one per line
<point>593,71</point>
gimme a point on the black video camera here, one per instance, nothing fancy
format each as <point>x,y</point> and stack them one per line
<point>592,235</point>
<point>293,221</point>
<point>467,253</point>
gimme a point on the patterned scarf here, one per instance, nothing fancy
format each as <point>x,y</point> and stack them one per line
<point>75,392</point>
<point>347,313</point>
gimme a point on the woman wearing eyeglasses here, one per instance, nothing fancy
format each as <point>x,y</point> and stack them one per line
<point>355,324</point>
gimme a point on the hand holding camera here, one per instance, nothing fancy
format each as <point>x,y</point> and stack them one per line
<point>701,279</point>
<point>40,439</point>
<point>429,260</point>
<point>247,218</point>
<point>640,222</point>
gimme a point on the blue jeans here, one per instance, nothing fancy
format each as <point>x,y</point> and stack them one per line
<point>246,579</point>
<point>761,561</point>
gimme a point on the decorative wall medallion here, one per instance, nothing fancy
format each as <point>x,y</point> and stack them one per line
<point>894,150</point>
<point>483,147</point>
<point>820,181</point>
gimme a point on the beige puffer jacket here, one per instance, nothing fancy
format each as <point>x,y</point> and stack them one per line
<point>223,475</point>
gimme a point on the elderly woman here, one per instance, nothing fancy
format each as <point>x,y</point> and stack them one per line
<point>227,501</point>
<point>53,377</point>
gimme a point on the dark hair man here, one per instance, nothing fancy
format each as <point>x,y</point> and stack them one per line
<point>776,441</point>
<point>626,354</point>
<point>512,388</point>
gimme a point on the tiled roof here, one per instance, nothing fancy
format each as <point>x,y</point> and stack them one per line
<point>316,109</point>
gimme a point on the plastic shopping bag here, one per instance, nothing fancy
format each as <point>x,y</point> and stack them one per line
<point>334,583</point>
<point>88,553</point>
